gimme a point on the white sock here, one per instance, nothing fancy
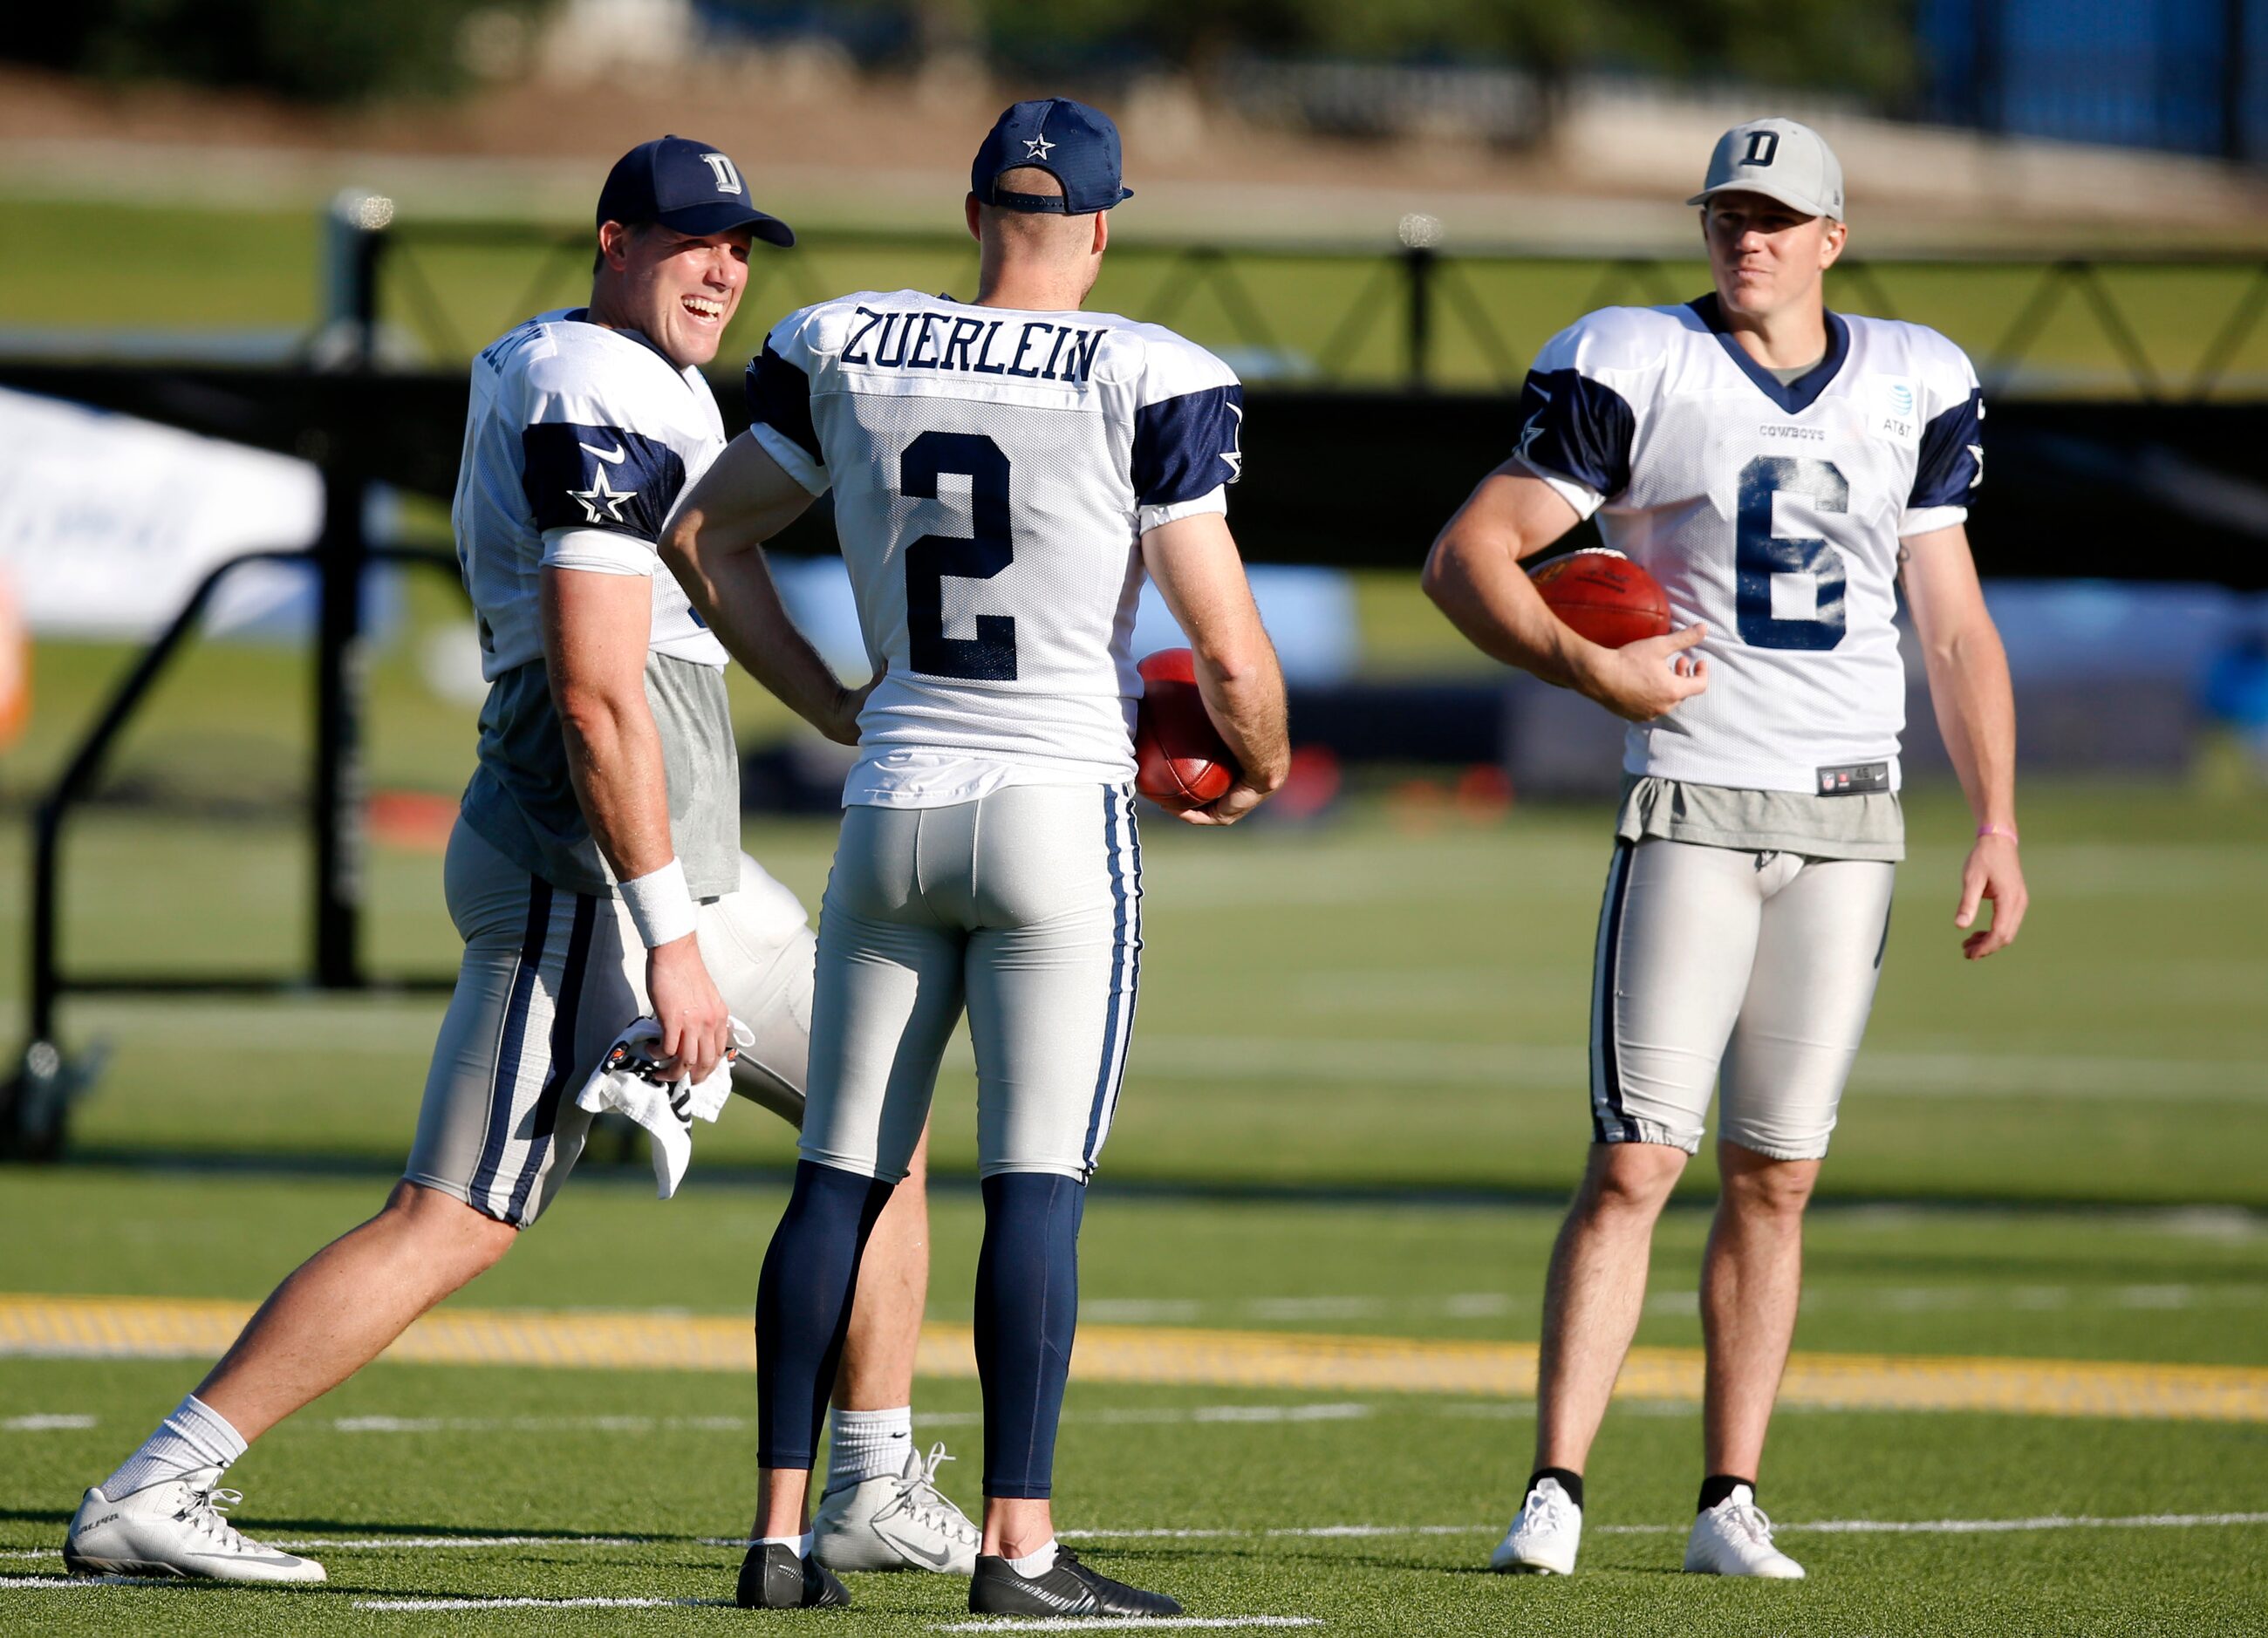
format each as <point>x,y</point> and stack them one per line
<point>801,1543</point>
<point>194,1435</point>
<point>1038,1562</point>
<point>868,1444</point>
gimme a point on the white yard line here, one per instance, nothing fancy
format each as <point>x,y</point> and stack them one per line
<point>44,1424</point>
<point>1091,1623</point>
<point>1826,1526</point>
<point>1819,1527</point>
<point>428,1606</point>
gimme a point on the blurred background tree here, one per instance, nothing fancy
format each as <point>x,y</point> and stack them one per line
<point>320,51</point>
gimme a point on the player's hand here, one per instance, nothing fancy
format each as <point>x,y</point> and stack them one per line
<point>841,722</point>
<point>696,1024</point>
<point>1993,872</point>
<point>1238,800</point>
<point>1642,681</point>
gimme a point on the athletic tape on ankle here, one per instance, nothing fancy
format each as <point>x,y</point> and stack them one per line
<point>660,905</point>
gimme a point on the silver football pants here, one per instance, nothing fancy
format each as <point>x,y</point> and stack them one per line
<point>1024,907</point>
<point>1753,972</point>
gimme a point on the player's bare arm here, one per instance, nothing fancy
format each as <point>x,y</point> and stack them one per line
<point>1976,708</point>
<point>1474,576</point>
<point>713,543</point>
<point>1195,564</point>
<point>595,631</point>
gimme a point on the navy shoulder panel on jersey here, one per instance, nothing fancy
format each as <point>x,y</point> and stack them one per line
<point>1188,445</point>
<point>579,477</point>
<point>1577,428</point>
<point>1951,462</point>
<point>779,395</point>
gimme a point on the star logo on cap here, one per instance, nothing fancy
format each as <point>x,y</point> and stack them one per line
<point>602,502</point>
<point>1037,148</point>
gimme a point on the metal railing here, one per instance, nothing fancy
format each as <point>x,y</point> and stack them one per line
<point>34,1104</point>
<point>1420,317</point>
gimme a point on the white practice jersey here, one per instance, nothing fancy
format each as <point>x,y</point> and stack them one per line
<point>1772,513</point>
<point>994,471</point>
<point>578,440</point>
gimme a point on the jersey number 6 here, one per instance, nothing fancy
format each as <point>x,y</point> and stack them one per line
<point>988,548</point>
<point>1759,553</point>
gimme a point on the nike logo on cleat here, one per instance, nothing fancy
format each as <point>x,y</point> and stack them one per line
<point>936,1559</point>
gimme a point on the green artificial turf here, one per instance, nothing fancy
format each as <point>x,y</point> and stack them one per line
<point>422,1452</point>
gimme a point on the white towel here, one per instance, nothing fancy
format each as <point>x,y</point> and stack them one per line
<point>628,1083</point>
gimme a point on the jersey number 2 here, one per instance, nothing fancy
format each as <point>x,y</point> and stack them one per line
<point>1759,553</point>
<point>988,548</point>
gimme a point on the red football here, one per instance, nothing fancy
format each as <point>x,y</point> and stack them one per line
<point>1180,759</point>
<point>1605,596</point>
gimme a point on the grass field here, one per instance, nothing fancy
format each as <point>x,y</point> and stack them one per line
<point>1356,1092</point>
<point>2039,1264</point>
<point>1274,312</point>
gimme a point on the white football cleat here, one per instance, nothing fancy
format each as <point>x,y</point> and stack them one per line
<point>1542,1539</point>
<point>177,1527</point>
<point>897,1522</point>
<point>1735,1538</point>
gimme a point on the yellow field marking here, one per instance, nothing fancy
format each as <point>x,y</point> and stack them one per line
<point>114,1327</point>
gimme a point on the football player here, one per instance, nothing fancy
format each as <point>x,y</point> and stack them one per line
<point>1780,469</point>
<point>594,873</point>
<point>1003,471</point>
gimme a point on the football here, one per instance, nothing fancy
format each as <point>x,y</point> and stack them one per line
<point>1181,760</point>
<point>1605,596</point>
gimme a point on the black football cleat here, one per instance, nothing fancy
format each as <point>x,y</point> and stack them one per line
<point>1069,1589</point>
<point>772,1577</point>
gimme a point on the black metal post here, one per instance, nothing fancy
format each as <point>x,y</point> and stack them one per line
<point>343,556</point>
<point>337,775</point>
<point>1419,260</point>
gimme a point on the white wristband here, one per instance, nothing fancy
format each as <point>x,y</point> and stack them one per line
<point>660,905</point>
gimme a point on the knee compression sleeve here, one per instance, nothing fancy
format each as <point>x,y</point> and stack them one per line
<point>803,1306</point>
<point>1027,1311</point>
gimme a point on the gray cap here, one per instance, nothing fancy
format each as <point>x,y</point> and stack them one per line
<point>1781,160</point>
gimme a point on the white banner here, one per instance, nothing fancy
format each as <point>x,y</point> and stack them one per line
<point>107,522</point>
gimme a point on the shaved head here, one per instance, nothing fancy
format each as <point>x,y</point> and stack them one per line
<point>1042,261</point>
<point>1037,234</point>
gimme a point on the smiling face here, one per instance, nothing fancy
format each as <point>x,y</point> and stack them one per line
<point>677,289</point>
<point>1767,257</point>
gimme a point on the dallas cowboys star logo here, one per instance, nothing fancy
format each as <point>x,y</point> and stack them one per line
<point>1234,455</point>
<point>602,502</point>
<point>1037,148</point>
<point>1532,428</point>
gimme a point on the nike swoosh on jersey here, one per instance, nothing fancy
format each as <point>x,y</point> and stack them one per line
<point>613,458</point>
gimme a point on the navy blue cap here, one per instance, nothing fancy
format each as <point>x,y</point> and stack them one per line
<point>687,186</point>
<point>1075,145</point>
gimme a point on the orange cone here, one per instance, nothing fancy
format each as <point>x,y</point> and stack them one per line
<point>15,666</point>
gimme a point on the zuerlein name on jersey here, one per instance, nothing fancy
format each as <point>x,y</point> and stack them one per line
<point>1040,350</point>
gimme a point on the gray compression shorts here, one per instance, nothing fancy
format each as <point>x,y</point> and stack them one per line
<point>549,979</point>
<point>1756,970</point>
<point>1024,907</point>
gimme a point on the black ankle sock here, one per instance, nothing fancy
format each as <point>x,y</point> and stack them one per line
<point>1717,1487</point>
<point>1570,1482</point>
